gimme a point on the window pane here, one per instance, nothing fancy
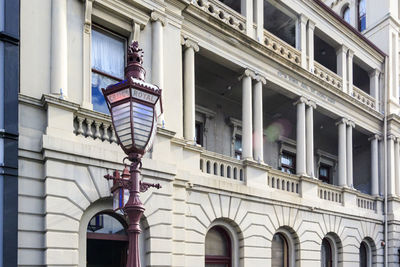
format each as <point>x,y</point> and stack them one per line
<point>99,82</point>
<point>279,251</point>
<point>216,243</point>
<point>346,14</point>
<point>107,225</point>
<point>108,53</point>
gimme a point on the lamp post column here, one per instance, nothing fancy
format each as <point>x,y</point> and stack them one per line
<point>258,118</point>
<point>342,162</point>
<point>190,47</point>
<point>247,118</point>
<point>301,136</point>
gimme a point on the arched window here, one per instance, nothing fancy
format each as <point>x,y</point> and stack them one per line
<point>107,241</point>
<point>280,251</point>
<point>326,253</point>
<point>218,248</point>
<point>365,254</point>
<point>346,14</point>
<point>362,20</point>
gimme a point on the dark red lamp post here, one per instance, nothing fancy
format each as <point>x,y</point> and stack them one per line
<point>134,107</point>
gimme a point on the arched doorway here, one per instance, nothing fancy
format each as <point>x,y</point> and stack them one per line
<point>107,241</point>
<point>280,251</point>
<point>218,248</point>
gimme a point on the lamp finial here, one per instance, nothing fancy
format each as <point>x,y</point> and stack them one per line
<point>134,66</point>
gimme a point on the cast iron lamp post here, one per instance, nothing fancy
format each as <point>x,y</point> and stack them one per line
<point>134,107</point>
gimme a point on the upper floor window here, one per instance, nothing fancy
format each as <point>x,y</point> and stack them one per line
<point>325,173</point>
<point>346,14</point>
<point>238,147</point>
<point>362,21</point>
<point>288,162</point>
<point>199,133</point>
<point>108,61</point>
<point>218,248</point>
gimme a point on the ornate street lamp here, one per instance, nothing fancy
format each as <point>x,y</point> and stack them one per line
<point>134,107</point>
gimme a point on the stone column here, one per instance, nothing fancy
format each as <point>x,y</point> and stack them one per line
<point>374,165</point>
<point>310,137</point>
<point>247,118</point>
<point>374,86</point>
<point>258,118</point>
<point>391,166</point>
<point>259,13</point>
<point>342,161</point>
<point>247,12</point>
<point>341,55</point>
<point>350,55</point>
<point>310,44</point>
<point>301,38</point>
<point>349,153</point>
<point>157,59</point>
<point>189,47</point>
<point>301,136</point>
<point>86,57</point>
<point>396,166</point>
<point>59,48</point>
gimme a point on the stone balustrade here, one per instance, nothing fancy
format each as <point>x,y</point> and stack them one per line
<point>366,202</point>
<point>363,97</point>
<point>330,193</point>
<point>283,181</point>
<point>327,75</point>
<point>282,48</point>
<point>220,165</point>
<point>222,13</point>
<point>94,125</point>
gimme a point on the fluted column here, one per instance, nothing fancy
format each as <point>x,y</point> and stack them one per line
<point>391,166</point>
<point>301,38</point>
<point>342,161</point>
<point>349,153</point>
<point>301,136</point>
<point>247,118</point>
<point>374,86</point>
<point>350,55</point>
<point>310,44</point>
<point>310,137</point>
<point>374,165</point>
<point>189,47</point>
<point>396,166</point>
<point>341,55</point>
<point>59,48</point>
<point>157,58</point>
<point>258,118</point>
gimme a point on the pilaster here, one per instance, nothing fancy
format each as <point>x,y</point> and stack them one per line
<point>341,55</point>
<point>258,118</point>
<point>301,38</point>
<point>374,86</point>
<point>374,164</point>
<point>247,118</point>
<point>342,159</point>
<point>310,44</point>
<point>310,137</point>
<point>350,55</point>
<point>301,136</point>
<point>349,152</point>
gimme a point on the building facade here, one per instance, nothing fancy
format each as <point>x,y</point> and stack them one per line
<point>278,146</point>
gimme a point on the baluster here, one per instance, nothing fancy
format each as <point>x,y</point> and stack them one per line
<point>80,131</point>
<point>97,130</point>
<point>105,134</point>
<point>113,137</point>
<point>89,132</point>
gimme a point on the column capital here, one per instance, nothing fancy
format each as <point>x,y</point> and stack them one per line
<point>342,120</point>
<point>248,73</point>
<point>312,104</point>
<point>392,137</point>
<point>374,73</point>
<point>341,49</point>
<point>157,16</point>
<point>302,18</point>
<point>301,99</point>
<point>311,24</point>
<point>351,123</point>
<point>350,53</point>
<point>261,79</point>
<point>189,43</point>
<point>375,137</point>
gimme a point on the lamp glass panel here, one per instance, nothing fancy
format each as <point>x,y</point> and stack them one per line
<point>122,123</point>
<point>142,123</point>
<point>126,196</point>
<point>116,199</point>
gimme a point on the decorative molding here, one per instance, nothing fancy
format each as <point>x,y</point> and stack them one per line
<point>189,43</point>
<point>208,113</point>
<point>248,73</point>
<point>157,16</point>
<point>341,120</point>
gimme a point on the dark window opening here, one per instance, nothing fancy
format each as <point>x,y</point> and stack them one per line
<point>199,133</point>
<point>218,248</point>
<point>238,147</point>
<point>362,18</point>
<point>325,54</point>
<point>280,251</point>
<point>234,4</point>
<point>363,255</point>
<point>324,173</point>
<point>288,162</point>
<point>279,24</point>
<point>361,78</point>
<point>326,253</point>
<point>346,14</point>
